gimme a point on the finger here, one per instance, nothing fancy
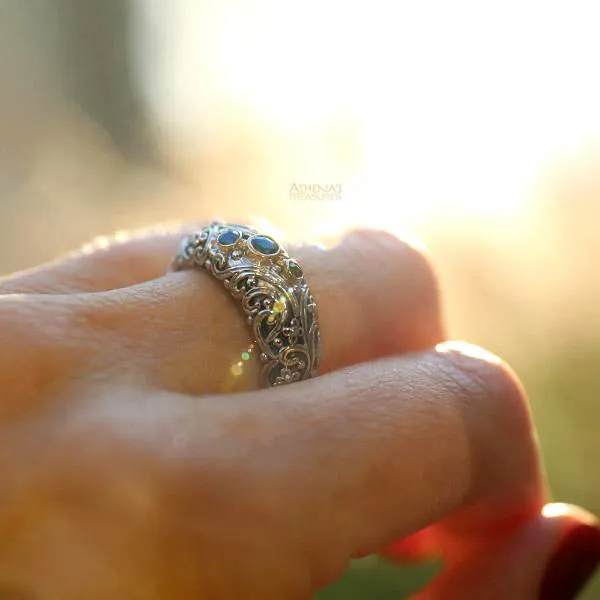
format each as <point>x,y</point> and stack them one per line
<point>370,453</point>
<point>108,262</point>
<point>371,281</point>
<point>376,296</point>
<point>348,462</point>
<point>389,447</point>
<point>550,557</point>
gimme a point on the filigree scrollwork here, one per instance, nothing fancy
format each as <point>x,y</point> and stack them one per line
<point>273,293</point>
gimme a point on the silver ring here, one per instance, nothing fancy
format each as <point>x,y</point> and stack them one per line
<point>274,295</point>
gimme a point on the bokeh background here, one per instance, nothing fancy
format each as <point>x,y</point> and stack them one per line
<point>474,125</point>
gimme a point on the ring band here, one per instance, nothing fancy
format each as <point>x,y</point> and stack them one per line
<point>273,292</point>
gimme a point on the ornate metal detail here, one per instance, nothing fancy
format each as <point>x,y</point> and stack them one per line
<point>274,297</point>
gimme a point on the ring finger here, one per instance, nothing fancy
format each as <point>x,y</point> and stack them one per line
<point>376,296</point>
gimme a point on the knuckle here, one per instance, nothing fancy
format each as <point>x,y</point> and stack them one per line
<point>393,250</point>
<point>495,407</point>
<point>411,282</point>
<point>484,377</point>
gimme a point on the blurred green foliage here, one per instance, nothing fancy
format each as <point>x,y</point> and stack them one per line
<point>371,578</point>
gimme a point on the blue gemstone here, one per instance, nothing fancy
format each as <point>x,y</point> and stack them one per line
<point>229,237</point>
<point>264,244</point>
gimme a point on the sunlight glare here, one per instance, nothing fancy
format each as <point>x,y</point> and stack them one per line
<point>459,106</point>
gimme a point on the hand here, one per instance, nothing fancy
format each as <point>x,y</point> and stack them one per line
<point>127,472</point>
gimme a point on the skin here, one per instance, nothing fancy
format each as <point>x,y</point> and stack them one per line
<point>129,470</point>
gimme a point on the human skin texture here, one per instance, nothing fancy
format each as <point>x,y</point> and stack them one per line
<point>129,469</point>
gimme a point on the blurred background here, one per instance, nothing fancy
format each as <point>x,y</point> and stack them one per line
<point>475,126</point>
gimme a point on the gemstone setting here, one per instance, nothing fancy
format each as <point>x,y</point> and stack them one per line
<point>295,269</point>
<point>264,245</point>
<point>257,269</point>
<point>229,237</point>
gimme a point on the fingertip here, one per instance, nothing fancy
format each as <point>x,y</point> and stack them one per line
<point>576,552</point>
<point>551,556</point>
<point>570,513</point>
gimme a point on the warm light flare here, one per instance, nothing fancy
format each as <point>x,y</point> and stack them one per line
<point>557,509</point>
<point>455,108</point>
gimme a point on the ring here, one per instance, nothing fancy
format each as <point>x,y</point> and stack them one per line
<point>274,295</point>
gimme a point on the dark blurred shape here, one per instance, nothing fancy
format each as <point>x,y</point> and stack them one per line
<point>95,64</point>
<point>64,54</point>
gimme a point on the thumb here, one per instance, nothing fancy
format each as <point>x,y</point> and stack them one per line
<point>551,557</point>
